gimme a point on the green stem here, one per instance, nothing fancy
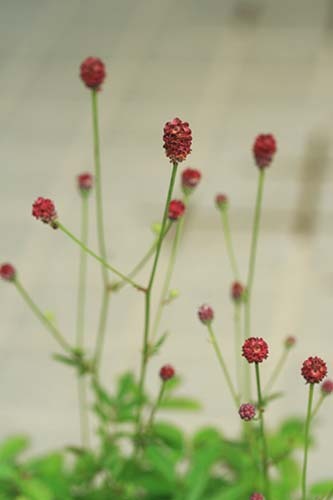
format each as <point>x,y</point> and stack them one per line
<point>101,331</point>
<point>156,405</point>
<point>168,275</point>
<point>97,257</point>
<point>318,405</point>
<point>83,411</point>
<point>306,441</point>
<point>277,370</point>
<point>228,242</point>
<point>145,345</point>
<point>238,345</point>
<point>223,365</point>
<point>35,309</point>
<point>263,436</point>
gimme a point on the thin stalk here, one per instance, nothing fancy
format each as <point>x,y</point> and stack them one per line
<point>145,345</point>
<point>318,405</point>
<point>156,405</point>
<point>223,365</point>
<point>81,302</point>
<point>277,370</point>
<point>306,441</point>
<point>97,257</point>
<point>263,436</point>
<point>168,275</point>
<point>35,309</point>
<point>238,345</point>
<point>228,242</point>
<point>101,331</point>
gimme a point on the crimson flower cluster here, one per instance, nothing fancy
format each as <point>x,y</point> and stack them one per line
<point>92,72</point>
<point>327,387</point>
<point>206,314</point>
<point>85,181</point>
<point>257,496</point>
<point>43,209</point>
<point>264,149</point>
<point>255,349</point>
<point>176,209</point>
<point>177,139</point>
<point>221,200</point>
<point>190,179</point>
<point>314,370</point>
<point>247,411</point>
<point>7,272</point>
<point>167,372</point>
<point>237,290</point>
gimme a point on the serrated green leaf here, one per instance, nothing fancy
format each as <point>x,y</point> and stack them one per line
<point>12,447</point>
<point>170,435</point>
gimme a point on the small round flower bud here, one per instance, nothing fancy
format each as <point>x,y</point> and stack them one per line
<point>190,179</point>
<point>7,272</point>
<point>167,372</point>
<point>221,201</point>
<point>176,209</point>
<point>206,314</point>
<point>156,228</point>
<point>177,139</point>
<point>247,411</point>
<point>44,210</point>
<point>264,149</point>
<point>314,370</point>
<point>327,387</point>
<point>174,294</point>
<point>255,350</point>
<point>290,342</point>
<point>85,182</point>
<point>237,291</point>
<point>257,496</point>
<point>92,72</point>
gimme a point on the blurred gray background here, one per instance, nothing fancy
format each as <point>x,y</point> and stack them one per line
<point>232,69</point>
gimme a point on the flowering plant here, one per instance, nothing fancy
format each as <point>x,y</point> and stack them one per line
<point>135,454</point>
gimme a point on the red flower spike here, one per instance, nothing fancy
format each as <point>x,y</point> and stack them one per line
<point>264,149</point>
<point>177,139</point>
<point>221,201</point>
<point>314,370</point>
<point>167,372</point>
<point>176,209</point>
<point>85,182</point>
<point>290,342</point>
<point>92,72</point>
<point>327,387</point>
<point>190,179</point>
<point>206,314</point>
<point>247,411</point>
<point>255,349</point>
<point>237,291</point>
<point>44,210</point>
<point>7,272</point>
<point>257,496</point>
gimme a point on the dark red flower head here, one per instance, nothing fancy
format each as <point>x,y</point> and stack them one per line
<point>44,210</point>
<point>92,72</point>
<point>257,496</point>
<point>85,181</point>
<point>237,291</point>
<point>177,139</point>
<point>327,387</point>
<point>221,201</point>
<point>290,342</point>
<point>206,314</point>
<point>314,370</point>
<point>190,179</point>
<point>255,350</point>
<point>247,411</point>
<point>167,372</point>
<point>176,209</point>
<point>7,272</point>
<point>264,148</point>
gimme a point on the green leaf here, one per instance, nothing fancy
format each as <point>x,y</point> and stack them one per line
<point>179,403</point>
<point>206,435</point>
<point>322,488</point>
<point>169,435</point>
<point>66,360</point>
<point>162,461</point>
<point>172,384</point>
<point>36,490</point>
<point>12,447</point>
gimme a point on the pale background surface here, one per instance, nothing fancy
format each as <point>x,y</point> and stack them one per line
<point>232,69</point>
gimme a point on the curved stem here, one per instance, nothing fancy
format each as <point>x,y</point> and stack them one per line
<point>318,405</point>
<point>97,257</point>
<point>156,405</point>
<point>263,436</point>
<point>35,309</point>
<point>101,331</point>
<point>277,370</point>
<point>223,365</point>
<point>306,441</point>
<point>238,345</point>
<point>228,242</point>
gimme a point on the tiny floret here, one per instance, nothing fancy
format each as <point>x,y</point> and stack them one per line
<point>314,370</point>
<point>247,411</point>
<point>327,387</point>
<point>7,272</point>
<point>167,372</point>
<point>290,342</point>
<point>221,201</point>
<point>85,182</point>
<point>206,314</point>
<point>44,210</point>
<point>255,350</point>
<point>177,139</point>
<point>264,149</point>
<point>190,179</point>
<point>92,72</point>
<point>237,291</point>
<point>257,496</point>
<point>176,209</point>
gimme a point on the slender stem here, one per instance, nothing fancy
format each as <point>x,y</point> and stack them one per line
<point>145,346</point>
<point>98,186</point>
<point>277,370</point>
<point>263,436</point>
<point>306,441</point>
<point>318,405</point>
<point>35,309</point>
<point>238,344</point>
<point>223,365</point>
<point>101,331</point>
<point>97,257</point>
<point>168,275</point>
<point>83,411</point>
<point>228,242</point>
<point>156,405</point>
